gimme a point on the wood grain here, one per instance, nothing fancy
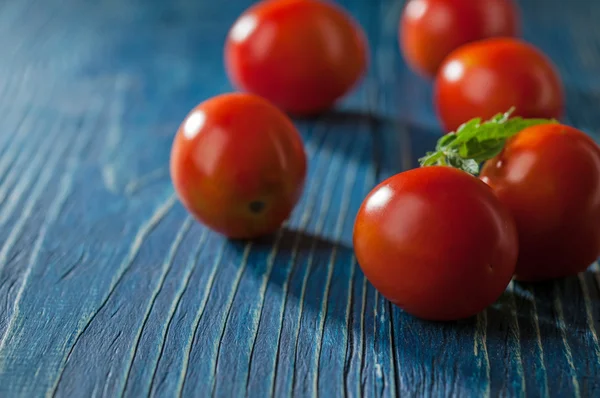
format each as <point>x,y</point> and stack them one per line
<point>108,288</point>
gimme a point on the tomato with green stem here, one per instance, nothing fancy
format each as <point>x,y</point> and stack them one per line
<point>437,242</point>
<point>302,55</point>
<point>432,29</point>
<point>238,165</point>
<point>484,78</point>
<point>548,176</point>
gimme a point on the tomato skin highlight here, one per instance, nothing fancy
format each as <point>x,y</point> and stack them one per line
<point>302,55</point>
<point>490,76</point>
<point>432,29</point>
<point>549,178</point>
<point>238,165</point>
<point>436,242</point>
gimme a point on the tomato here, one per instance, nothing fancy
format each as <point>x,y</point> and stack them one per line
<point>549,178</point>
<point>436,242</point>
<point>238,165</point>
<point>432,29</point>
<point>484,78</point>
<point>302,55</point>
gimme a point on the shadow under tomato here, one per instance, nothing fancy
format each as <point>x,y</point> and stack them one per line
<point>504,349</point>
<point>351,134</point>
<point>555,324</point>
<point>532,330</point>
<point>568,305</point>
<point>547,306</point>
<point>316,291</point>
<point>342,116</point>
<point>387,145</point>
<point>308,267</point>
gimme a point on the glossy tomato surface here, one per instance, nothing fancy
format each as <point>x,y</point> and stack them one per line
<point>487,77</point>
<point>436,242</point>
<point>238,165</point>
<point>432,29</point>
<point>549,178</point>
<point>302,55</point>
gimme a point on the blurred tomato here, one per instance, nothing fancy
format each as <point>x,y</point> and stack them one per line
<point>238,165</point>
<point>302,55</point>
<point>488,77</point>
<point>549,178</point>
<point>432,29</point>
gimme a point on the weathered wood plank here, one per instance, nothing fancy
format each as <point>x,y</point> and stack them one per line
<point>109,288</point>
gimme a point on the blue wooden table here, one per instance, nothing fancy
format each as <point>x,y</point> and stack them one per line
<point>108,288</point>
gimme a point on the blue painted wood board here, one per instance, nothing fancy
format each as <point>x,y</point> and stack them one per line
<point>108,288</point>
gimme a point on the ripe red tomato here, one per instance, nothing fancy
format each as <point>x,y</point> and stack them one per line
<point>432,29</point>
<point>302,55</point>
<point>490,76</point>
<point>549,178</point>
<point>238,165</point>
<point>436,242</point>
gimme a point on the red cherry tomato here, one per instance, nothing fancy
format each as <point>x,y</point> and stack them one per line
<point>238,165</point>
<point>432,29</point>
<point>487,77</point>
<point>302,55</point>
<point>549,178</point>
<point>436,242</point>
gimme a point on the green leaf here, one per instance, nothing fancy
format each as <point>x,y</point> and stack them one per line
<point>445,140</point>
<point>467,131</point>
<point>468,165</point>
<point>475,141</point>
<point>430,159</point>
<point>477,150</point>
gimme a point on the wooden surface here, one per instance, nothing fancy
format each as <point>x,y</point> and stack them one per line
<point>107,288</point>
